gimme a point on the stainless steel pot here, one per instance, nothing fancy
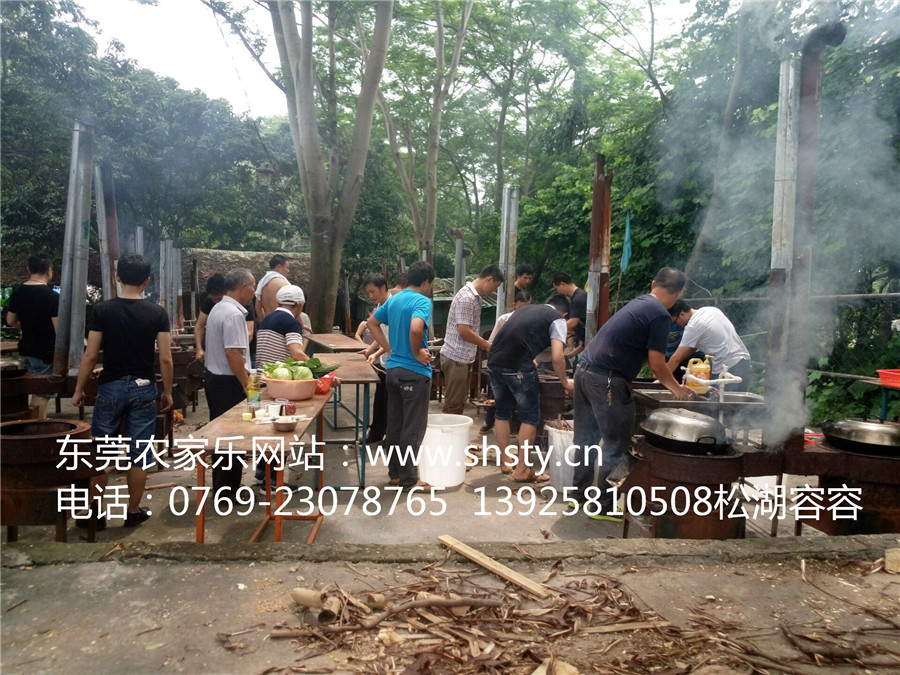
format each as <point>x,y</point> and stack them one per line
<point>685,431</point>
<point>863,436</point>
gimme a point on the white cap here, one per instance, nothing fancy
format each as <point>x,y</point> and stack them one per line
<point>290,295</point>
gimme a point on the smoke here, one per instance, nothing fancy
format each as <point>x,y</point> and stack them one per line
<point>855,227</point>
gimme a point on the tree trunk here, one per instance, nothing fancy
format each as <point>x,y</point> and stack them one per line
<point>407,180</point>
<point>442,84</point>
<point>330,211</point>
<point>324,276</point>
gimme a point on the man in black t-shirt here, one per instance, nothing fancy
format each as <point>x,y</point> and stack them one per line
<point>603,406</point>
<point>215,291</point>
<point>33,308</point>
<point>524,277</point>
<point>563,284</point>
<point>127,328</point>
<point>528,331</point>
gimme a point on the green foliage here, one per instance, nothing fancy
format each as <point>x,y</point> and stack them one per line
<point>380,232</point>
<point>183,164</point>
<point>539,92</point>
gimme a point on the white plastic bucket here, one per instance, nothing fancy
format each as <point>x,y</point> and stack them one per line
<point>442,457</point>
<point>561,466</point>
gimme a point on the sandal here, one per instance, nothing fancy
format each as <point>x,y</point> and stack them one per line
<point>419,484</point>
<point>533,478</point>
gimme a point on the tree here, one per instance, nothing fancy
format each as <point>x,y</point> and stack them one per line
<point>331,187</point>
<point>442,79</point>
<point>183,165</point>
<point>330,208</point>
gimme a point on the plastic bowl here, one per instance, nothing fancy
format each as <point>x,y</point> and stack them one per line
<point>292,390</point>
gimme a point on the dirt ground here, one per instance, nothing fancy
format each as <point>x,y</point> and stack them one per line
<point>140,615</point>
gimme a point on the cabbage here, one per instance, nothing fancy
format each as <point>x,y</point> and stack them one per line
<point>281,374</point>
<point>302,373</point>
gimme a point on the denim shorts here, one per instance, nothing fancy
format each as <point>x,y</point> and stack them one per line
<point>36,366</point>
<point>121,401</point>
<point>519,388</point>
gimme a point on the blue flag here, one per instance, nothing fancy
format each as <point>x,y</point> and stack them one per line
<point>626,244</point>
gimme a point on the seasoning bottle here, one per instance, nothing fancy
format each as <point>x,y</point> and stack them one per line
<point>701,370</point>
<point>253,391</point>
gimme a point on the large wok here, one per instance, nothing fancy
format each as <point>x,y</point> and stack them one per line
<point>685,431</point>
<point>870,438</point>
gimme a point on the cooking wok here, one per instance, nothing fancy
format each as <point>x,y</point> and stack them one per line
<point>685,431</point>
<point>870,438</point>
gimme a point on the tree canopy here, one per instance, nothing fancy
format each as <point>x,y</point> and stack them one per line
<point>687,125</point>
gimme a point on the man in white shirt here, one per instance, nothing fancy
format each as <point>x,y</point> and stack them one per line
<point>522,298</point>
<point>708,330</point>
<point>228,363</point>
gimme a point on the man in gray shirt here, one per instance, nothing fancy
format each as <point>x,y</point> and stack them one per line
<point>228,361</point>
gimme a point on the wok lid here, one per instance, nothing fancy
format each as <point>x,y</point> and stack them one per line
<point>687,426</point>
<point>861,431</point>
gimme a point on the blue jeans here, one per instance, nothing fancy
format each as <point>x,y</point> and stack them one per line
<point>519,387</point>
<point>36,366</point>
<point>123,400</point>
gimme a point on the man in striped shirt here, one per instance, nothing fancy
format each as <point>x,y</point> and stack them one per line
<point>462,339</point>
<point>280,334</point>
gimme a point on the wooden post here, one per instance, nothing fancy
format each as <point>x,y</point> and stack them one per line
<point>349,328</point>
<point>195,289</point>
<point>598,270</point>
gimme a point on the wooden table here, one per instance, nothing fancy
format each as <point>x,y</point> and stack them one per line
<point>230,424</point>
<point>353,369</point>
<point>333,342</point>
<point>12,347</point>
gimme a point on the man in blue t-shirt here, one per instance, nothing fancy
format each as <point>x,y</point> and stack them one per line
<point>604,410</point>
<point>408,370</point>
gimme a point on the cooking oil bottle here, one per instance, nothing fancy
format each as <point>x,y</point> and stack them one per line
<point>701,369</point>
<point>253,392</point>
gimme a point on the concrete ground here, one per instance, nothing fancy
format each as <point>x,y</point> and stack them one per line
<point>509,511</point>
<point>148,599</point>
<point>86,608</point>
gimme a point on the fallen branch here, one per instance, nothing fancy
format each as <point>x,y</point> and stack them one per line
<point>148,630</point>
<point>16,604</point>
<point>117,547</point>
<point>492,565</point>
<point>867,610</point>
<point>619,627</point>
<point>414,604</point>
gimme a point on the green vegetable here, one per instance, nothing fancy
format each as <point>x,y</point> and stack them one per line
<point>323,370</point>
<point>302,373</point>
<point>281,373</point>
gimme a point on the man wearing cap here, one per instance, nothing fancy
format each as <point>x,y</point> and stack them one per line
<point>280,334</point>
